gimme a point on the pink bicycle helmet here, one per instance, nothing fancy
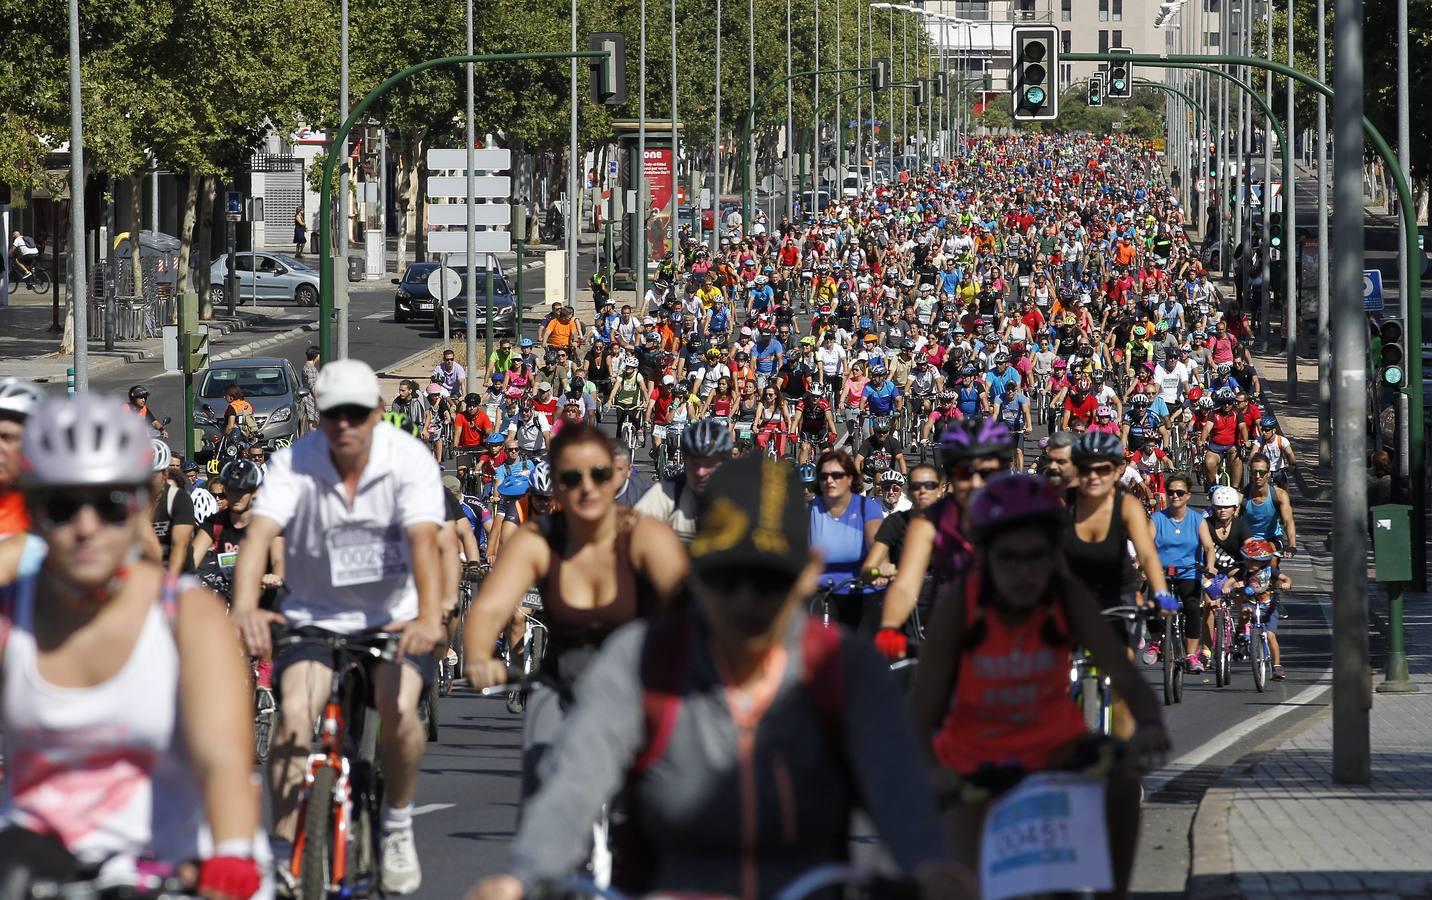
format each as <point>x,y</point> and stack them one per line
<point>1011,500</point>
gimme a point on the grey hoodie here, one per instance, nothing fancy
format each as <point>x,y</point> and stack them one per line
<point>720,812</point>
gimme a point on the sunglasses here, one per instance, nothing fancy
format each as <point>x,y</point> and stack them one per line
<point>349,412</point>
<point>1258,473</point>
<point>1103,470</point>
<point>835,475</point>
<point>964,473</point>
<point>924,486</point>
<point>113,507</point>
<point>1177,494</point>
<point>571,478</point>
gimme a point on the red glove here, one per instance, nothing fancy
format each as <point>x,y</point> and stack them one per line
<point>891,643</point>
<point>229,876</point>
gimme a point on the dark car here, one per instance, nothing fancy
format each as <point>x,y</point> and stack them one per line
<point>504,305</point>
<point>412,296</point>
<point>270,385</point>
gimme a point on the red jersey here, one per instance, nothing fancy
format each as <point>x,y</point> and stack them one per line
<point>472,431</point>
<point>661,406</point>
<point>1081,409</point>
<point>14,517</point>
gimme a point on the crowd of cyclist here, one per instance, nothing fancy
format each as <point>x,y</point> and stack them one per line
<point>963,415</point>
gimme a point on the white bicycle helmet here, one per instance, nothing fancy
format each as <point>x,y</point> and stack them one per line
<point>542,480</point>
<point>19,398</point>
<point>1223,495</point>
<point>162,455</point>
<point>90,439</point>
<point>205,505</point>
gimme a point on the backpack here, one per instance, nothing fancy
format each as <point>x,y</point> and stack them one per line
<point>248,425</point>
<point>665,654</point>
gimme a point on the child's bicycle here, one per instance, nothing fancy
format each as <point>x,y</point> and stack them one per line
<point>1252,639</point>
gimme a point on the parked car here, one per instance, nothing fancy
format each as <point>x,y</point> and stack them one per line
<point>270,385</point>
<point>267,276</point>
<point>412,296</point>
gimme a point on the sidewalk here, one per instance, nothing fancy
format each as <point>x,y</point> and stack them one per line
<point>31,350</point>
<point>1276,824</point>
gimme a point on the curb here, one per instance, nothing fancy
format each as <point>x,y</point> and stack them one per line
<point>272,339</point>
<point>1211,874</point>
<point>223,325</point>
<point>409,359</point>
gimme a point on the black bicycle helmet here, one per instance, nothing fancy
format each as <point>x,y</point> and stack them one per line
<point>241,475</point>
<point>1093,446</point>
<point>706,437</point>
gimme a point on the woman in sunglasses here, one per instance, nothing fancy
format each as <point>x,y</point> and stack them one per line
<point>113,629</point>
<point>1185,545</point>
<point>598,566</point>
<point>1102,520</point>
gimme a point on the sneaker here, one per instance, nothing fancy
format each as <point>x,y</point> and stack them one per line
<point>1193,664</point>
<point>401,872</point>
<point>1278,673</point>
<point>1151,655</point>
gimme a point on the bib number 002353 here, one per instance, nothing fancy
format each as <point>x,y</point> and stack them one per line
<point>1046,836</point>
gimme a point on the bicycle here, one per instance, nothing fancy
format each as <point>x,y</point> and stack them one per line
<point>1254,637</point>
<point>1221,652</point>
<point>338,843</point>
<point>534,645</point>
<point>822,604</point>
<point>38,280</point>
<point>1091,688</point>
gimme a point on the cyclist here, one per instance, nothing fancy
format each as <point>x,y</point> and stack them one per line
<point>19,400</point>
<point>1185,546</point>
<point>173,514</point>
<point>735,654</point>
<point>126,711</point>
<point>935,542</point>
<point>598,565</point>
<point>925,487</point>
<point>1268,510</point>
<point>881,452</point>
<point>24,253</point>
<point>1222,433</point>
<point>359,504</point>
<point>815,422</point>
<point>843,523</point>
<point>1258,578</point>
<point>992,722</point>
<point>1276,449</point>
<point>1012,408</point>
<point>139,406</point>
<point>216,546</point>
<point>705,445</point>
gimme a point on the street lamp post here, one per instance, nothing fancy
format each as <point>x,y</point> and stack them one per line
<point>716,145</point>
<point>79,289</point>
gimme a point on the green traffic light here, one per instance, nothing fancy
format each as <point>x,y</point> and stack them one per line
<point>1035,96</point>
<point>1118,84</point>
<point>1392,375</point>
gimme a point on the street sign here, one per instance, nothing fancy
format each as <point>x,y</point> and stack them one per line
<point>483,186</point>
<point>1199,185</point>
<point>455,214</point>
<point>612,167</point>
<point>485,160</point>
<point>1372,290</point>
<point>444,282</point>
<point>233,206</point>
<point>456,241</point>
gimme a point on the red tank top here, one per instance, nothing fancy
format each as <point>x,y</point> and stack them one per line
<point>14,517</point>
<point>1011,701</point>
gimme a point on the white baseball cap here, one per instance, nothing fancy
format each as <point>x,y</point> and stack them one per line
<point>347,382</point>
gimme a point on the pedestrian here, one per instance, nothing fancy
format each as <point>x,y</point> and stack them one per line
<point>300,233</point>
<point>308,407</point>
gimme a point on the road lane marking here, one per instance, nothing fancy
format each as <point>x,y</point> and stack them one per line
<point>432,807</point>
<point>377,315</point>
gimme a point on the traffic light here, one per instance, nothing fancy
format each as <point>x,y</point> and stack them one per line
<point>609,73</point>
<point>197,354</point>
<point>919,92</point>
<point>1121,82</point>
<point>1035,77</point>
<point>1096,89</point>
<point>1392,334</point>
<point>880,75</point>
<point>937,87</point>
<point>1275,230</point>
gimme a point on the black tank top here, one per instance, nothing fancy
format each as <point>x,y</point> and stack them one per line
<point>1104,566</point>
<point>575,635</point>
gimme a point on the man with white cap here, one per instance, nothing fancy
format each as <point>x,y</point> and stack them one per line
<point>359,504</point>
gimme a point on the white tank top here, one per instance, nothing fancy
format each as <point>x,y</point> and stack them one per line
<point>103,768</point>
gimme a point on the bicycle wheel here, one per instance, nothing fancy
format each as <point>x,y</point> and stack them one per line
<point>364,837</point>
<point>264,713</point>
<point>315,862</point>
<point>428,711</point>
<point>40,282</point>
<point>1258,652</point>
<point>1227,660</point>
<point>1172,660</point>
<point>1181,662</point>
<point>1218,647</point>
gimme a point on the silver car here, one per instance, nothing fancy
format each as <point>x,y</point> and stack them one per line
<point>270,385</point>
<point>270,277</point>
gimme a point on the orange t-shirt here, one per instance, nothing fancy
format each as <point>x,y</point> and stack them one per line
<point>1011,701</point>
<point>14,517</point>
<point>560,334</point>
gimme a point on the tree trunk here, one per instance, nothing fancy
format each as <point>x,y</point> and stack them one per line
<point>136,225</point>
<point>187,219</point>
<point>409,158</point>
<point>204,243</point>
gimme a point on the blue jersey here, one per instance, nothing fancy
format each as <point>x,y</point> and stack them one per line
<point>881,400</point>
<point>997,382</point>
<point>766,356</point>
<point>1177,542</point>
<point>968,399</point>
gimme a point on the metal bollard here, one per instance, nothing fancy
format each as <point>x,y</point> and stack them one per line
<point>69,382</point>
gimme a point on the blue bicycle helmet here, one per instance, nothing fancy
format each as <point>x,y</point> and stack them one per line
<point>526,343</point>
<point>1267,422</point>
<point>496,439</point>
<point>806,472</point>
<point>514,487</point>
<point>866,324</point>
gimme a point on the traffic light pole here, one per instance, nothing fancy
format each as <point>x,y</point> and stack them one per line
<point>325,200</point>
<point>748,125</point>
<point>1411,277</point>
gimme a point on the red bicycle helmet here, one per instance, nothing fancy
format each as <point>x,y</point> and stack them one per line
<point>1010,500</point>
<point>1257,550</point>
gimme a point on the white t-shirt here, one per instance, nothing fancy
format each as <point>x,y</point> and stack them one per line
<point>23,249</point>
<point>350,569</point>
<point>1169,381</point>
<point>831,357</point>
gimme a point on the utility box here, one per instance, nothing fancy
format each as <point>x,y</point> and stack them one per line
<point>1392,541</point>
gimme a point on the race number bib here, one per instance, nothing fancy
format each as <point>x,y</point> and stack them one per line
<point>362,555</point>
<point>1046,836</point>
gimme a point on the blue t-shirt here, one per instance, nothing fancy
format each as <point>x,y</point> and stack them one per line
<point>842,540</point>
<point>881,400</point>
<point>1177,542</point>
<point>997,381</point>
<point>766,356</point>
